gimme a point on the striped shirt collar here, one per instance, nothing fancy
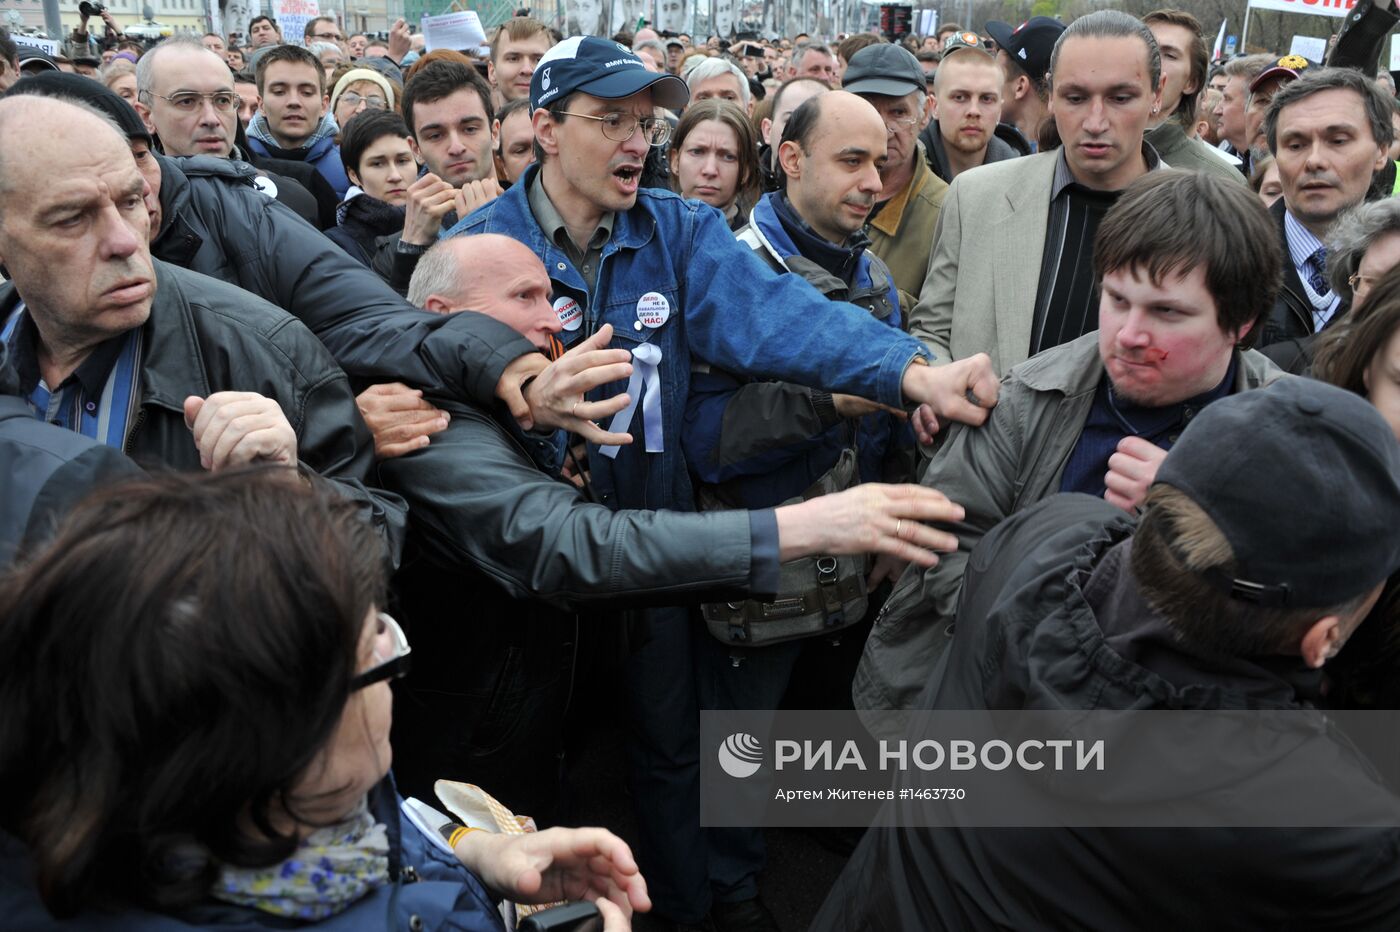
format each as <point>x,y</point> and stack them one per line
<point>98,399</point>
<point>1064,177</point>
<point>1302,244</point>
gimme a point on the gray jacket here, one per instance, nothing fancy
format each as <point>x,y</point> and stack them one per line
<point>1180,151</point>
<point>1011,462</point>
<point>47,470</point>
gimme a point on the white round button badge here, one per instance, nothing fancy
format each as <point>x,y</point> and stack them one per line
<point>653,309</point>
<point>570,314</point>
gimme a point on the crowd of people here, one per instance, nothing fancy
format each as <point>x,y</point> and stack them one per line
<point>1045,366</point>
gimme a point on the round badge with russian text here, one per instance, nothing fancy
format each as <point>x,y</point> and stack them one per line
<point>570,314</point>
<point>653,309</point>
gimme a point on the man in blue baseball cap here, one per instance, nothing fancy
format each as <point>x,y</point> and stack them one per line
<point>644,271</point>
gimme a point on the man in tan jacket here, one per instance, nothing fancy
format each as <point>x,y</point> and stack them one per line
<point>901,225</point>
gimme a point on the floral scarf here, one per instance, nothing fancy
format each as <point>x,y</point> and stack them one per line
<point>332,868</point>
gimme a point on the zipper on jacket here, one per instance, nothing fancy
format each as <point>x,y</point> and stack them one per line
<point>135,426</point>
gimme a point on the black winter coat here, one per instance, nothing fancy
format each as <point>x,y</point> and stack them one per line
<point>204,336</point>
<point>215,221</point>
<point>1032,633</point>
<point>47,470</point>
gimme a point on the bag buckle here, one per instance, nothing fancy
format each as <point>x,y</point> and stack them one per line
<point>826,570</point>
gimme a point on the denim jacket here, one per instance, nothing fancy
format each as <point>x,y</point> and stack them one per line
<point>676,263</point>
<point>762,443</point>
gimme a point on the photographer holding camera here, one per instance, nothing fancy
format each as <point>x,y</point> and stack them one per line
<point>82,43</point>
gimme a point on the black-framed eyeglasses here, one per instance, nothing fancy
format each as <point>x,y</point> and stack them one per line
<point>391,652</point>
<point>326,36</point>
<point>189,101</point>
<point>619,127</point>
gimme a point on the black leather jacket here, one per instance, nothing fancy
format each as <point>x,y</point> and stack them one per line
<point>204,336</point>
<point>216,222</point>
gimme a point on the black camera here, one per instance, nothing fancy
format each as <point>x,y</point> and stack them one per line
<point>90,9</point>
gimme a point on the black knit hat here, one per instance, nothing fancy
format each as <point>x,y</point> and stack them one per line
<point>78,87</point>
<point>1303,479</point>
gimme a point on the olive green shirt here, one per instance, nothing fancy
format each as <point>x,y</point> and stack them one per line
<point>586,261</point>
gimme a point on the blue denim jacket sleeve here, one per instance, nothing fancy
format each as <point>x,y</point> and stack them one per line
<point>743,316</point>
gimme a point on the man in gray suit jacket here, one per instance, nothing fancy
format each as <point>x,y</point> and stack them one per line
<point>1010,270</point>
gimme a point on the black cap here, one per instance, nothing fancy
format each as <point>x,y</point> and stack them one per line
<point>886,69</point>
<point>85,89</point>
<point>1029,44</point>
<point>1303,479</point>
<point>34,61</point>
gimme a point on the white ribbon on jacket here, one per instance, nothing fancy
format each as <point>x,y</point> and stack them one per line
<point>645,387</point>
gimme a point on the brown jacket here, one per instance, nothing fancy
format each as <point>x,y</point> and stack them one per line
<point>902,233</point>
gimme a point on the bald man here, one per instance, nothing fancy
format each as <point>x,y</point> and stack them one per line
<point>754,443</point>
<point>494,527</point>
<point>490,273</point>
<point>173,367</point>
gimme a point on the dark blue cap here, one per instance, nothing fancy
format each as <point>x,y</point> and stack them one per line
<point>600,68</point>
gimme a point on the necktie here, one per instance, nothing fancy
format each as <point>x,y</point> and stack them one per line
<point>1318,278</point>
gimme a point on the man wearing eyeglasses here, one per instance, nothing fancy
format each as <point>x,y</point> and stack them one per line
<point>324,29</point>
<point>189,102</point>
<point>676,287</point>
<point>905,215</point>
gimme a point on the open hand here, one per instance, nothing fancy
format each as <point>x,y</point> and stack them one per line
<point>556,396</point>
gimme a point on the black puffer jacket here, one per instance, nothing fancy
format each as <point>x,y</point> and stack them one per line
<point>215,221</point>
<point>365,229</point>
<point>1051,620</point>
<point>204,336</point>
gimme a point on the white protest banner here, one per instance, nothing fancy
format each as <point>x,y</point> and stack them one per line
<point>293,15</point>
<point>1314,50</point>
<point>47,46</point>
<point>1317,7</point>
<point>460,32</point>
<point>1394,53</point>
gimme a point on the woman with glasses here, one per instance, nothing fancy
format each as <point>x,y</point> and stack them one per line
<point>195,677</point>
<point>358,90</point>
<point>714,158</point>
